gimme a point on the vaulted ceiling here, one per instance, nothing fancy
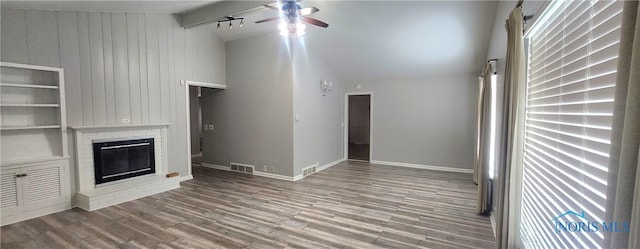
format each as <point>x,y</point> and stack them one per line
<point>365,39</point>
<point>390,39</point>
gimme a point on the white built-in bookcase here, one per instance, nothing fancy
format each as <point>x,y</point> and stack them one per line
<point>34,158</point>
<point>33,114</point>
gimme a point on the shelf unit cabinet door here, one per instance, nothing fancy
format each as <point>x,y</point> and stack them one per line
<point>10,191</point>
<point>45,185</point>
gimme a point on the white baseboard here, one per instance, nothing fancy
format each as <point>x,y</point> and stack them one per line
<point>421,166</point>
<point>331,164</point>
<point>321,168</point>
<point>298,177</point>
<point>274,176</point>
<point>255,172</point>
<point>213,166</point>
<point>492,217</point>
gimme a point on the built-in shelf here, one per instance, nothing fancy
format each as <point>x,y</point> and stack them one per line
<point>28,86</point>
<point>15,128</point>
<point>34,155</point>
<point>29,105</point>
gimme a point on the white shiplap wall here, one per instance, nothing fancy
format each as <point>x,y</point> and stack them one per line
<point>118,65</point>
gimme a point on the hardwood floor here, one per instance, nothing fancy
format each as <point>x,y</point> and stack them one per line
<point>350,205</point>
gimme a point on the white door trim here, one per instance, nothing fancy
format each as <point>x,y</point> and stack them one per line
<point>346,123</point>
<point>187,84</point>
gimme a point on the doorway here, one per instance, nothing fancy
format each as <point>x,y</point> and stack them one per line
<point>187,93</point>
<point>358,127</point>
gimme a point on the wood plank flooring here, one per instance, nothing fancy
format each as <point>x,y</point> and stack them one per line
<point>350,205</point>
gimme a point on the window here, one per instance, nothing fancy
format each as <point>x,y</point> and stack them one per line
<point>572,61</point>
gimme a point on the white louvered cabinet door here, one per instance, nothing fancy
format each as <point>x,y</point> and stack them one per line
<point>44,185</point>
<point>10,189</point>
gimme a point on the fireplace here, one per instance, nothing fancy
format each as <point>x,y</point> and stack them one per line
<point>121,159</point>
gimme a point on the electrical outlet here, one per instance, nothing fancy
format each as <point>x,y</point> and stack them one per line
<point>264,168</point>
<point>125,121</point>
<point>210,127</point>
<point>206,127</point>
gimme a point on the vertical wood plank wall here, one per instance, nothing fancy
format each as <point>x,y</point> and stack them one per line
<point>118,66</point>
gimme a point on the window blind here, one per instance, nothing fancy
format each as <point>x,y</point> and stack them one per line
<point>572,61</point>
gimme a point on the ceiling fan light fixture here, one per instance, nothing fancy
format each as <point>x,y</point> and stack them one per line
<point>218,27</point>
<point>241,23</point>
<point>230,25</point>
<point>292,30</point>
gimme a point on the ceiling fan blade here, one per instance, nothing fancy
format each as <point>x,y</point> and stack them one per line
<point>269,6</point>
<point>308,11</point>
<point>268,19</point>
<point>316,22</point>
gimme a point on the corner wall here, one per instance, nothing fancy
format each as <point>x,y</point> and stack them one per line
<point>253,117</point>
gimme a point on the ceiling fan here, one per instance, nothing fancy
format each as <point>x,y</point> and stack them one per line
<point>292,17</point>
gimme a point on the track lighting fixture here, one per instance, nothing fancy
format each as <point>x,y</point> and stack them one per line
<point>230,20</point>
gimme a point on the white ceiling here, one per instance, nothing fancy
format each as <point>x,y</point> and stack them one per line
<point>388,39</point>
<point>365,39</point>
<point>250,27</point>
<point>148,6</point>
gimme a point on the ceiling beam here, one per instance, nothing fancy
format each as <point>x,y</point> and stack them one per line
<point>219,10</point>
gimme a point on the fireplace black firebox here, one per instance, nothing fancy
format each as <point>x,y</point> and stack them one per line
<point>116,160</point>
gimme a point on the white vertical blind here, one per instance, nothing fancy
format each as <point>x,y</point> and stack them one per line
<point>572,60</point>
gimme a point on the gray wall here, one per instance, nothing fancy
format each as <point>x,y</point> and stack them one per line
<point>428,121</point>
<point>318,135</point>
<point>118,65</point>
<point>253,117</point>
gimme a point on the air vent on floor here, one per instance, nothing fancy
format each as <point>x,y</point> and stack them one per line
<point>242,168</point>
<point>309,170</point>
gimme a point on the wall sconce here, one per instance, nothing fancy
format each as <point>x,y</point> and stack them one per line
<point>325,86</point>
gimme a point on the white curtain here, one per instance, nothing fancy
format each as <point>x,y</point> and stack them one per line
<point>511,140</point>
<point>476,160</point>
<point>481,169</point>
<point>623,193</point>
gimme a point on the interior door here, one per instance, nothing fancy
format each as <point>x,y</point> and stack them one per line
<point>359,136</point>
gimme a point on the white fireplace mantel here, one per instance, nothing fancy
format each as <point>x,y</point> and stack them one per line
<point>118,127</point>
<point>91,196</point>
